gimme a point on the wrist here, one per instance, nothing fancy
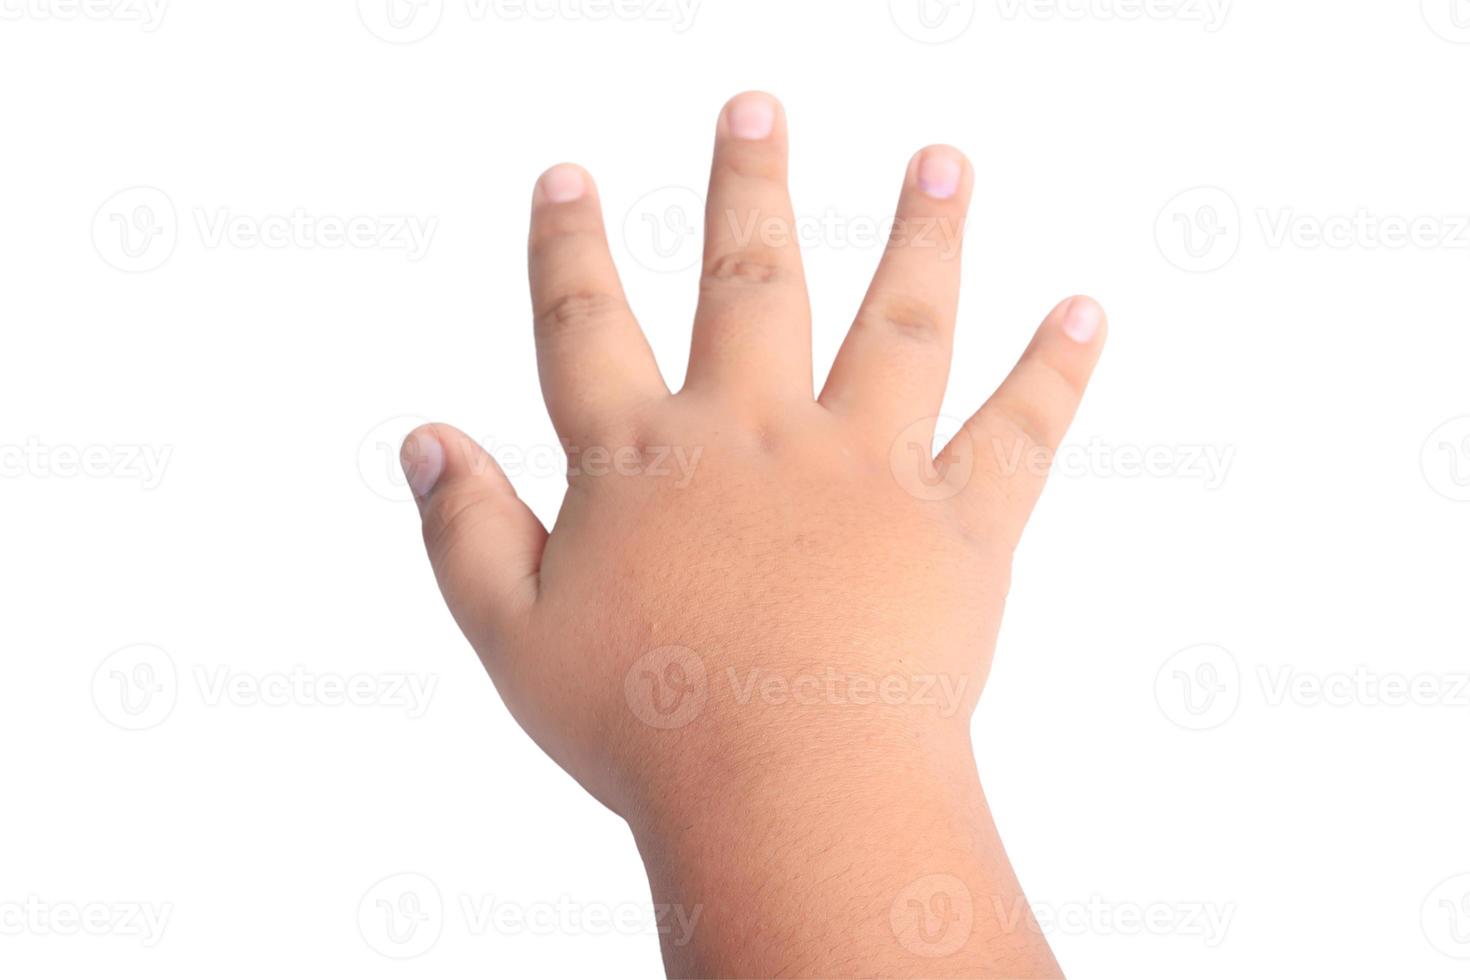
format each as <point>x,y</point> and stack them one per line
<point>867,854</point>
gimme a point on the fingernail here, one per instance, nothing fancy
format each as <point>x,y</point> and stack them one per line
<point>752,117</point>
<point>422,458</point>
<point>1081,320</point>
<point>940,170</point>
<point>563,183</point>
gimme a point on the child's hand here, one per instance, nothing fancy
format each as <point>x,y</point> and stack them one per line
<point>763,619</point>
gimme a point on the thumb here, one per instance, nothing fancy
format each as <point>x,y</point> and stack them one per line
<point>484,543</point>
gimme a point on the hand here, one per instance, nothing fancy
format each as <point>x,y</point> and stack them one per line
<point>763,619</point>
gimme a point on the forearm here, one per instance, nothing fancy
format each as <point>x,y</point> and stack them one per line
<point>860,859</point>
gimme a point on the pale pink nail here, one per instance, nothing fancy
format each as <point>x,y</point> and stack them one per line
<point>752,117</point>
<point>940,170</point>
<point>1081,320</point>
<point>563,183</point>
<point>422,458</point>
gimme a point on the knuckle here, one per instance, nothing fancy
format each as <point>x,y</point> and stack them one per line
<point>912,318</point>
<point>576,311</point>
<point>743,268</point>
<point>755,161</point>
<point>1013,434</point>
<point>561,227</point>
<point>453,515</point>
<point>1059,384</point>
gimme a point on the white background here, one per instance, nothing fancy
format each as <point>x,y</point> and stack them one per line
<point>270,538</point>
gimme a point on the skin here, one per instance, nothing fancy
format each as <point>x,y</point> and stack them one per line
<point>765,658</point>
